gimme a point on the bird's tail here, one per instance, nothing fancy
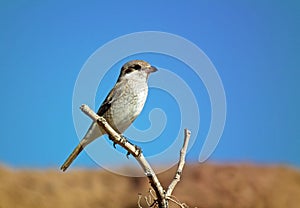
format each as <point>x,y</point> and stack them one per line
<point>72,156</point>
<point>93,133</point>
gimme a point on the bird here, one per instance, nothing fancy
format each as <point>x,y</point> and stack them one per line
<point>122,105</point>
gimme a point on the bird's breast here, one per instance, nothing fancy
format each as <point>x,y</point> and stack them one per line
<point>128,106</point>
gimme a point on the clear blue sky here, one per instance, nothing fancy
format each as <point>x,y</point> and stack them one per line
<point>254,45</point>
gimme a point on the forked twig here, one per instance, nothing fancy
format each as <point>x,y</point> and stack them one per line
<point>162,196</point>
<point>187,135</point>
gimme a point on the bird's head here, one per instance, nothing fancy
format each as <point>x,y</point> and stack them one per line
<point>136,69</point>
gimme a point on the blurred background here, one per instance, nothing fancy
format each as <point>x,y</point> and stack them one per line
<point>255,48</point>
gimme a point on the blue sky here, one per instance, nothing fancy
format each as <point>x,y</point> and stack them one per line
<point>254,46</point>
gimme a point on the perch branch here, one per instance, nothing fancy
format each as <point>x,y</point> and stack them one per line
<point>187,135</point>
<point>132,149</point>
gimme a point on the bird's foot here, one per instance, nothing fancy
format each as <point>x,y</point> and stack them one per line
<point>138,150</point>
<point>114,144</point>
<point>127,154</point>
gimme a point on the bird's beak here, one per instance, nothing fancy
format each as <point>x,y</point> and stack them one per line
<point>151,69</point>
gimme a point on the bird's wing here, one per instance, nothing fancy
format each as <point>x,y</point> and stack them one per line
<point>113,95</point>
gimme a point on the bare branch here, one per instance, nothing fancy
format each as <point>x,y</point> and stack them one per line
<point>177,202</point>
<point>187,135</point>
<point>162,197</point>
<point>113,135</point>
<point>132,149</point>
<point>139,200</point>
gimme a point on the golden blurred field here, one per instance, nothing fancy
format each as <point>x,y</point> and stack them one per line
<point>202,186</point>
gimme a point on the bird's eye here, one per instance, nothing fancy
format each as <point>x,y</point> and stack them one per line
<point>128,70</point>
<point>137,67</point>
<point>132,68</point>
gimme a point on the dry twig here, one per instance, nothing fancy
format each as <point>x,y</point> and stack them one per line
<point>162,195</point>
<point>187,135</point>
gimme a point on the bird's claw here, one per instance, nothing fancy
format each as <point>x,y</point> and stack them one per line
<point>114,145</point>
<point>127,154</point>
<point>139,150</point>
